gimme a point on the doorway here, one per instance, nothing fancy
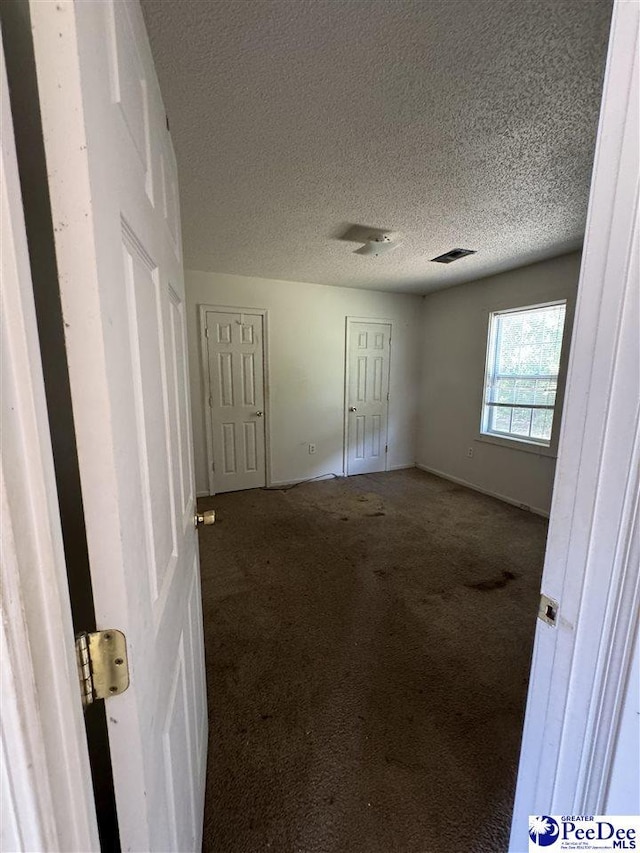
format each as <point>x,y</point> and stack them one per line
<point>266,716</point>
<point>233,356</point>
<point>367,396</point>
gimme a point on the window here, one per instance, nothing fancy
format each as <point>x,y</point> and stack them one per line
<point>523,357</point>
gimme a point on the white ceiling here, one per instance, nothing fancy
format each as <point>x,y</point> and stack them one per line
<point>457,123</point>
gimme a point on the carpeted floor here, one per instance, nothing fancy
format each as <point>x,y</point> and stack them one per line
<point>368,645</point>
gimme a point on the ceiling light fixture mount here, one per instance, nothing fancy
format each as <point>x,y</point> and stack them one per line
<point>376,244</point>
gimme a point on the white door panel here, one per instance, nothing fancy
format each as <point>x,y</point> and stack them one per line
<point>46,800</point>
<point>114,202</point>
<point>367,396</point>
<point>235,355</point>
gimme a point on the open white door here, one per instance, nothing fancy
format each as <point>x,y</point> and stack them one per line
<point>115,212</point>
<point>46,801</point>
<point>581,666</point>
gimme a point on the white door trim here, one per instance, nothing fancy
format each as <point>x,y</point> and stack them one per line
<point>580,668</point>
<point>349,321</point>
<point>47,794</point>
<point>206,385</point>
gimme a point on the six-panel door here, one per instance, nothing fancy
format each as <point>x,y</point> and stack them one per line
<point>235,358</point>
<point>114,199</point>
<point>367,396</point>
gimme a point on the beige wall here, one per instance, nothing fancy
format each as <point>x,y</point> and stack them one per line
<point>437,373</point>
<point>306,327</point>
<point>454,343</point>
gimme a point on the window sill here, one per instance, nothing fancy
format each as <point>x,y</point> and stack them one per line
<point>514,444</point>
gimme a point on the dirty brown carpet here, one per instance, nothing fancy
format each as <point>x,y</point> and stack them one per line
<point>368,645</point>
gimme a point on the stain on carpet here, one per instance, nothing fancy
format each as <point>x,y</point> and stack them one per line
<point>493,583</point>
<point>344,502</point>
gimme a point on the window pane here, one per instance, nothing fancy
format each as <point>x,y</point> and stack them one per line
<point>533,392</point>
<point>541,424</point>
<point>520,423</point>
<point>545,394</point>
<point>529,342</point>
<point>500,419</point>
<point>525,391</point>
<point>503,391</point>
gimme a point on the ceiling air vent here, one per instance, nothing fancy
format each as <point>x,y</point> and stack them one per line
<point>453,255</point>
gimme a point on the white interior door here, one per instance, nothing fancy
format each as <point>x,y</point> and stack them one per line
<point>368,358</point>
<point>114,200</point>
<point>235,359</point>
<point>46,801</point>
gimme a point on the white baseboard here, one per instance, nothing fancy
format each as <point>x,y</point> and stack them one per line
<point>536,510</point>
<point>276,483</point>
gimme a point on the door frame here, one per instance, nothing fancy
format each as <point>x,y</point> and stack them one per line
<point>206,386</point>
<point>349,321</point>
<point>581,664</point>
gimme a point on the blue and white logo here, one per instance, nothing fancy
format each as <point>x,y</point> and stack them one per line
<point>543,830</point>
<point>584,832</point>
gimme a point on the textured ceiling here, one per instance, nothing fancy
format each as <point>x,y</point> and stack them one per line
<point>456,123</point>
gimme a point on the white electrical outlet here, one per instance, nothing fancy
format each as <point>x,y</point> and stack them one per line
<point>470,452</point>
<point>312,448</point>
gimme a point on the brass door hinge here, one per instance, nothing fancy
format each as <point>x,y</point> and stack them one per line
<point>103,669</point>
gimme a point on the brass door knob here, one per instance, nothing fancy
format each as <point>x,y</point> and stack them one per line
<point>258,414</point>
<point>206,517</point>
<point>352,409</point>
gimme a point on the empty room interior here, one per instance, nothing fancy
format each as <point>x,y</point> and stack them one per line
<point>320,425</point>
<point>369,245</point>
<point>383,207</point>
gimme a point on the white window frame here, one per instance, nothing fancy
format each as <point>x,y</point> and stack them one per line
<point>520,442</point>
